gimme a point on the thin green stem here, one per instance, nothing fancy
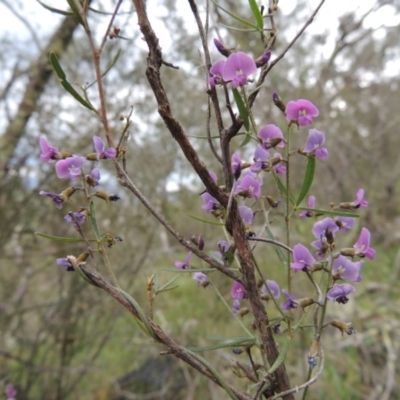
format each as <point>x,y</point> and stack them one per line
<point>252,120</point>
<point>287,217</point>
<point>108,265</point>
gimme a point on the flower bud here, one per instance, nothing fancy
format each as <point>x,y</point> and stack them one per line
<point>221,48</point>
<point>263,60</point>
<point>243,311</point>
<point>313,354</point>
<point>92,157</point>
<point>343,327</point>
<point>348,252</point>
<point>106,196</point>
<point>278,102</point>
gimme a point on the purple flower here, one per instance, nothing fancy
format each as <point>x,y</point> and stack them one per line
<point>214,176</point>
<point>340,292</point>
<point>291,302</point>
<point>302,258</point>
<point>261,159</point>
<point>273,287</point>
<point>235,306</point>
<point>94,177</point>
<point>314,144</point>
<point>310,204</point>
<point>343,268</point>
<point>238,67</point>
<point>100,146</point>
<point>278,167</point>
<point>362,248</point>
<point>358,201</point>
<point>236,165</point>
<point>247,214</point>
<point>186,264</point>
<point>344,223</point>
<point>64,262</point>
<point>324,228</point>
<point>221,48</point>
<point>271,136</point>
<point>49,152</point>
<point>80,218</point>
<point>210,203</point>
<point>70,168</point>
<point>10,392</point>
<point>238,292</point>
<point>248,186</point>
<point>201,278</point>
<point>224,246</point>
<point>301,111</point>
<point>57,199</point>
<point>216,73</point>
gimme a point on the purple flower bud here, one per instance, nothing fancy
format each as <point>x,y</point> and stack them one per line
<point>359,202</point>
<point>221,48</point>
<point>10,392</point>
<point>301,111</point>
<point>49,152</point>
<point>238,67</point>
<point>263,60</point>
<point>247,214</point>
<point>310,204</point>
<point>201,278</point>
<point>238,292</point>
<point>362,245</point>
<point>236,165</point>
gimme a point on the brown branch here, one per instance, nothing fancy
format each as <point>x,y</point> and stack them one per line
<point>40,73</point>
<point>159,334</point>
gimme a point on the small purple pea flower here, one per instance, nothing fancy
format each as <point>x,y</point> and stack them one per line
<point>362,248</point>
<point>263,59</point>
<point>247,214</point>
<point>273,287</point>
<point>186,263</point>
<point>236,165</point>
<point>248,186</point>
<point>344,223</point>
<point>302,258</point>
<point>222,49</point>
<point>201,278</point>
<point>271,136</point>
<point>10,392</point>
<point>314,143</point>
<point>261,159</point>
<point>340,292</point>
<point>310,204</point>
<point>70,168</point>
<point>216,73</point>
<point>301,111</point>
<point>238,67</point>
<point>65,262</point>
<point>210,202</point>
<point>278,166</point>
<point>100,146</point>
<point>324,228</point>
<point>49,152</point>
<point>57,199</point>
<point>291,302</point>
<point>343,268</point>
<point>94,177</point>
<point>76,217</point>
<point>238,292</point>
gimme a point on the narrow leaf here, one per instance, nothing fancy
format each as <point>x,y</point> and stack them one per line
<point>94,221</point>
<point>246,140</point>
<point>108,12</point>
<point>308,180</point>
<point>112,63</point>
<point>279,251</point>
<point>243,112</point>
<point>68,87</point>
<point>166,286</point>
<point>207,221</point>
<point>86,278</point>
<point>76,11</point>
<point>239,343</point>
<point>257,14</point>
<point>61,239</point>
<point>281,357</point>
<point>232,28</point>
<point>235,17</point>
<point>282,188</point>
<point>54,10</point>
<point>330,212</point>
<point>57,67</point>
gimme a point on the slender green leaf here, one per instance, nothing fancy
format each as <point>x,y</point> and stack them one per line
<point>239,343</point>
<point>243,111</point>
<point>109,12</point>
<point>112,63</point>
<point>203,137</point>
<point>281,357</point>
<point>308,180</point>
<point>94,221</point>
<point>166,286</point>
<point>86,278</point>
<point>282,188</point>
<point>257,14</point>
<point>57,67</point>
<point>279,251</point>
<point>54,10</point>
<point>232,28</point>
<point>330,212</point>
<point>246,140</point>
<point>76,11</point>
<point>207,221</point>
<point>235,17</point>
<point>68,87</point>
<point>62,239</point>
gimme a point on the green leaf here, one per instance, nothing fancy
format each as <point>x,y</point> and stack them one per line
<point>246,140</point>
<point>279,251</point>
<point>238,343</point>
<point>68,87</point>
<point>62,239</point>
<point>235,17</point>
<point>166,286</point>
<point>257,14</point>
<point>308,180</point>
<point>112,63</point>
<point>94,221</point>
<point>54,10</point>
<point>282,188</point>
<point>243,112</point>
<point>281,357</point>
<point>85,277</point>
<point>108,12</point>
<point>57,67</point>
<point>232,28</point>
<point>76,11</point>
<point>207,221</point>
<point>203,137</point>
<point>330,212</point>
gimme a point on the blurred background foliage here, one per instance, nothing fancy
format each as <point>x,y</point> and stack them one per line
<point>59,338</point>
